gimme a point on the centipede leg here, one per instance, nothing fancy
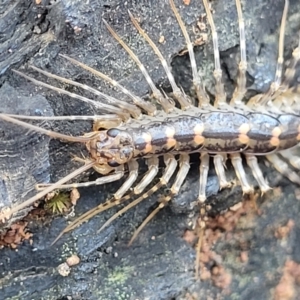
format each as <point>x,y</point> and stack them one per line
<point>133,174</point>
<point>148,107</point>
<point>283,168</point>
<point>240,173</point>
<point>184,166</point>
<point>204,167</point>
<point>178,94</point>
<point>240,89</point>
<point>106,107</point>
<point>252,163</point>
<point>167,104</point>
<point>149,176</point>
<point>203,98</point>
<point>219,162</point>
<point>99,181</point>
<point>220,99</point>
<point>171,165</point>
<point>278,75</point>
<point>6,214</point>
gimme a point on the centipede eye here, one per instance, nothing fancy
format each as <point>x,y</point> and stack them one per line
<point>113,164</point>
<point>113,132</point>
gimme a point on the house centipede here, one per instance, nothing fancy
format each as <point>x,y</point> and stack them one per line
<point>267,125</point>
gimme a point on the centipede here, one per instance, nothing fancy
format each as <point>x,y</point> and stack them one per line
<point>177,125</point>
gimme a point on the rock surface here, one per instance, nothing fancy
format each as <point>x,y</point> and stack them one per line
<point>159,265</point>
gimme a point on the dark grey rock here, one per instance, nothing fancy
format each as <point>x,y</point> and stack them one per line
<point>159,265</point>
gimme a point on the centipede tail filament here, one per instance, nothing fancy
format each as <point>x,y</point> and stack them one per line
<point>175,125</point>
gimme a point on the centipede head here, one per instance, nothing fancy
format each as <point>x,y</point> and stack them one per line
<point>110,149</point>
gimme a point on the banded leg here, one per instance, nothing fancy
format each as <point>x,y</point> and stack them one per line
<point>148,107</point>
<point>236,161</point>
<point>166,103</point>
<point>220,100</point>
<point>132,109</point>
<point>219,163</point>
<point>184,166</point>
<point>252,163</point>
<point>240,89</point>
<point>278,75</point>
<point>283,168</point>
<point>178,94</point>
<point>106,107</point>
<point>171,165</point>
<point>202,96</point>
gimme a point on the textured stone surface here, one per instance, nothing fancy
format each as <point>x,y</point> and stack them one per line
<point>159,265</point>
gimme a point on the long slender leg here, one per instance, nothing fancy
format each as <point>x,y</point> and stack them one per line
<point>197,82</point>
<point>179,96</point>
<point>132,109</point>
<point>106,107</point>
<point>219,162</point>
<point>220,92</point>
<point>133,174</point>
<point>252,163</point>
<point>148,177</point>
<point>148,107</point>
<point>163,101</point>
<point>204,167</point>
<point>236,161</point>
<point>184,166</point>
<point>240,89</point>
<point>98,181</point>
<point>278,75</point>
<point>171,165</point>
<point>283,168</point>
<point>290,72</point>
<point>10,212</point>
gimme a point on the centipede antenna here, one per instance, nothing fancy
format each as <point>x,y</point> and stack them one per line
<point>197,82</point>
<point>240,89</point>
<point>52,134</point>
<point>167,106</point>
<point>179,96</point>
<point>220,92</point>
<point>108,108</point>
<point>278,75</point>
<point>67,118</point>
<point>30,201</point>
<point>148,107</point>
<point>132,109</point>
